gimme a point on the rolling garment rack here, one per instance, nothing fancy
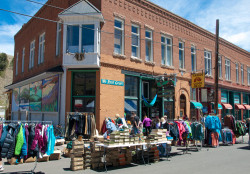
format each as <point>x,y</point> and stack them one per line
<point>35,122</point>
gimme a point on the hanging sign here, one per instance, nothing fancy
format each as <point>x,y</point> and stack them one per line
<point>210,95</point>
<point>112,82</point>
<point>198,80</point>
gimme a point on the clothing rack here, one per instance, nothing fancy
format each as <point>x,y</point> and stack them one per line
<point>18,121</point>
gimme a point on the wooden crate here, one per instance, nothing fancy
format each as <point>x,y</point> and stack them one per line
<point>44,159</point>
<point>55,156</point>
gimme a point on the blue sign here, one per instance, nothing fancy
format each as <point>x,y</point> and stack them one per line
<point>237,98</point>
<point>112,82</point>
<point>224,97</point>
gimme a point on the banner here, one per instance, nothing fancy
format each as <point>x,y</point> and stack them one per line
<point>198,80</point>
<point>50,88</point>
<point>36,96</point>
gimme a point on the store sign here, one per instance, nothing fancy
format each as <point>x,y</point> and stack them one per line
<point>237,98</point>
<point>198,80</point>
<point>112,82</point>
<point>224,97</point>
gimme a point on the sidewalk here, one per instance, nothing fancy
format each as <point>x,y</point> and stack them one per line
<point>224,159</point>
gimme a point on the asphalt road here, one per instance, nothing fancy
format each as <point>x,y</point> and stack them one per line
<point>222,160</point>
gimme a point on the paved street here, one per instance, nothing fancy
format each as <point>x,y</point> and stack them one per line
<point>224,159</point>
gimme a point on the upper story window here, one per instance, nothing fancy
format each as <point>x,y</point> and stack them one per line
<point>119,37</point>
<point>181,55</point>
<point>220,66</point>
<point>242,74</point>
<point>32,54</point>
<point>80,38</point>
<point>58,38</point>
<point>237,72</point>
<point>135,33</point>
<point>193,58</point>
<point>149,45</point>
<point>227,69</point>
<point>166,51</point>
<point>23,56</point>
<point>208,62</point>
<point>41,48</point>
<point>17,63</point>
<point>248,74</point>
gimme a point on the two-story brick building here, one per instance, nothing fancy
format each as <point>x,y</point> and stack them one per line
<point>103,56</point>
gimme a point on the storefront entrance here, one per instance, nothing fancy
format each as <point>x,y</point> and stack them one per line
<point>182,105</point>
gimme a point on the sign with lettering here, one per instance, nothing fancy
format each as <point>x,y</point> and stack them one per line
<point>224,97</point>
<point>198,80</point>
<point>112,82</point>
<point>237,98</point>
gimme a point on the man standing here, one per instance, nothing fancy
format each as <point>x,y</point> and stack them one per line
<point>135,122</point>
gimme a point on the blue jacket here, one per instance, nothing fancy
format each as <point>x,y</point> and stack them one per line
<point>51,140</point>
<point>24,147</point>
<point>4,134</point>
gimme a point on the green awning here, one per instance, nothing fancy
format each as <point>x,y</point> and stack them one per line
<point>219,105</point>
<point>196,105</point>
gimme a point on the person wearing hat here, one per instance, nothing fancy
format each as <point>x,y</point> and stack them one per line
<point>118,120</point>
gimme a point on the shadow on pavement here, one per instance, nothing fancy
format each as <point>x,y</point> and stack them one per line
<point>23,172</point>
<point>244,148</point>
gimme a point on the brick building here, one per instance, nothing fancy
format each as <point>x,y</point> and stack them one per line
<point>106,56</point>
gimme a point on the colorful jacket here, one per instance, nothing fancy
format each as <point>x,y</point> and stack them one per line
<point>19,141</point>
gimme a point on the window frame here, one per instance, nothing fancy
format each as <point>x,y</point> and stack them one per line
<point>139,45</point>
<point>227,69</point>
<point>248,74</point>
<point>122,30</point>
<point>183,54</point>
<point>208,60</point>
<point>41,48</point>
<point>151,58</point>
<point>237,72</point>
<point>17,54</point>
<point>32,53</point>
<point>58,38</point>
<point>242,73</point>
<point>23,57</point>
<point>220,66</point>
<point>193,53</point>
<point>166,45</point>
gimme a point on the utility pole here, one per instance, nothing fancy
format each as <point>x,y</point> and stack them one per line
<point>216,66</point>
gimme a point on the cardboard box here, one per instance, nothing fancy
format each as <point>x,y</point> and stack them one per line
<point>55,156</point>
<point>74,168</point>
<point>30,160</point>
<point>77,163</point>
<point>12,161</point>
<point>77,159</point>
<point>44,159</point>
<point>76,143</point>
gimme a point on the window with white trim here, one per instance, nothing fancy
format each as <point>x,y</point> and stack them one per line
<point>149,45</point>
<point>58,38</point>
<point>248,74</point>
<point>208,63</point>
<point>181,55</point>
<point>242,73</point>
<point>193,58</point>
<point>166,51</point>
<point>135,37</point>
<point>227,69</point>
<point>23,56</point>
<point>41,48</point>
<point>80,38</point>
<point>119,37</point>
<point>32,54</point>
<point>17,63</point>
<point>237,72</point>
<point>220,66</point>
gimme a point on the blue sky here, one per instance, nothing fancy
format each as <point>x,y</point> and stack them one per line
<point>234,16</point>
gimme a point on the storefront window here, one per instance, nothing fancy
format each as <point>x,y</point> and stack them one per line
<point>83,92</point>
<point>131,86</point>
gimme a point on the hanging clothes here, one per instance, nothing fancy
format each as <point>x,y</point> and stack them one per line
<point>197,131</point>
<point>19,141</point>
<point>51,140</point>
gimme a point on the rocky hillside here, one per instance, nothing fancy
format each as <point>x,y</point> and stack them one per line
<point>6,79</point>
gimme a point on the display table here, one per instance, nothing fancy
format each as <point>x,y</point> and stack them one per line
<point>128,145</point>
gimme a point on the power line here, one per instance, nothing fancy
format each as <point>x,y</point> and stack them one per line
<point>45,4</point>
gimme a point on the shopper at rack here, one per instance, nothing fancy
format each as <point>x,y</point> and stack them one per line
<point>147,124</point>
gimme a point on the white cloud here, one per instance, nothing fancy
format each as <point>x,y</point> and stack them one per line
<point>7,48</point>
<point>233,15</point>
<point>9,30</point>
